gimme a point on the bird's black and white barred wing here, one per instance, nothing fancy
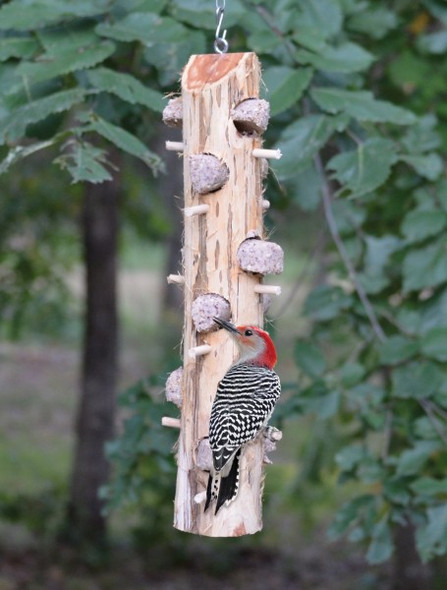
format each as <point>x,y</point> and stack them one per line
<point>244,402</point>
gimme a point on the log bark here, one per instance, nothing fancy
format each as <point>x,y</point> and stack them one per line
<point>212,86</point>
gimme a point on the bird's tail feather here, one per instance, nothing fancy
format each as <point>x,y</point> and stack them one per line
<point>223,488</point>
<point>229,485</point>
<point>211,488</point>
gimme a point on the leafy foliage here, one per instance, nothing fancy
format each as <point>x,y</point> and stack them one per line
<point>383,200</point>
<point>144,467</point>
<point>338,72</point>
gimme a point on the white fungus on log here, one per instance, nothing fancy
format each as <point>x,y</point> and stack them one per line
<point>251,116</point>
<point>173,112</point>
<point>173,387</point>
<point>206,307</point>
<point>260,257</point>
<point>208,173</point>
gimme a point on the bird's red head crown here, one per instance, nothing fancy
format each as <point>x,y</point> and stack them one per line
<point>255,345</point>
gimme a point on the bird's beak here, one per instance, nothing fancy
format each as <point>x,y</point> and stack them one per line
<point>227,325</point>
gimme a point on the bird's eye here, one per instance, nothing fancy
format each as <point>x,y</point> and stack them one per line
<point>248,333</point>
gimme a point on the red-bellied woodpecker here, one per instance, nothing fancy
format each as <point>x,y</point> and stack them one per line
<point>245,399</point>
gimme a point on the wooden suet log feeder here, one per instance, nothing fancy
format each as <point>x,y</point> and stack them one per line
<point>223,165</point>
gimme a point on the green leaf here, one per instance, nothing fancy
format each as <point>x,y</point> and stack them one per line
<point>433,312</point>
<point>84,162</point>
<point>418,379</point>
<point>350,457</point>
<point>305,188</point>
<point>73,35</point>
<point>433,43</point>
<point>423,136</point>
<point>434,344</point>
<point>349,513</point>
<point>126,87</point>
<point>23,15</point>
<point>378,252</point>
<point>375,22</point>
<point>324,16</point>
<point>14,125</point>
<point>426,267</point>
<point>361,105</point>
<point>408,70</point>
<point>413,460</point>
<point>381,546</point>
<point>366,168</point>
<point>204,12</point>
<point>285,86</point>
<point>349,217</point>
<point>124,141</point>
<point>424,427</point>
<point>169,58</point>
<point>22,47</point>
<point>311,39</point>
<point>325,303</point>
<point>429,166</point>
<point>377,256</point>
<point>396,490</point>
<point>346,58</point>
<point>20,152</point>
<point>301,140</point>
<point>419,224</point>
<point>397,349</point>
<point>309,358</point>
<point>351,374</point>
<point>148,28</point>
<point>64,62</point>
<point>429,486</point>
<point>431,538</point>
<point>319,400</point>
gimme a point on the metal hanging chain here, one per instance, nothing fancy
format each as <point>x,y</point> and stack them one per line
<point>220,42</point>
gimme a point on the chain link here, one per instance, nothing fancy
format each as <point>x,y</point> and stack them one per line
<point>220,42</point>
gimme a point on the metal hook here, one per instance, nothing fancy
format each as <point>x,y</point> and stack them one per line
<point>220,43</point>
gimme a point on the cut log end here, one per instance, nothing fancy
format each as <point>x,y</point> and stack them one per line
<point>206,307</point>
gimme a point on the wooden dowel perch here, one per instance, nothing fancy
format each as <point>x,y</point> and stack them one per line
<point>196,210</point>
<point>269,154</point>
<point>223,168</point>
<point>174,146</point>
<point>170,422</point>
<point>196,351</point>
<point>268,289</point>
<point>175,279</point>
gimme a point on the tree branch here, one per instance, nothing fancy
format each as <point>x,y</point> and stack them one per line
<point>327,204</point>
<point>425,404</point>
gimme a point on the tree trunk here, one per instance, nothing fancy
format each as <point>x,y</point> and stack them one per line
<point>409,571</point>
<point>96,412</point>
